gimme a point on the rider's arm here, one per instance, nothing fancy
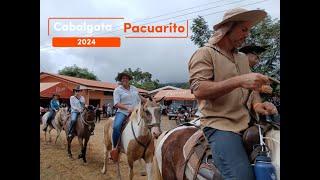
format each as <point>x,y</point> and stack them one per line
<point>201,74</point>
<point>121,106</point>
<point>116,100</point>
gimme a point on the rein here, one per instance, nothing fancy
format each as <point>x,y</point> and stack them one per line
<point>88,123</point>
<point>139,142</point>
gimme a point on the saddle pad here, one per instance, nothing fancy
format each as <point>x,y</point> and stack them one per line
<point>197,144</point>
<point>188,147</point>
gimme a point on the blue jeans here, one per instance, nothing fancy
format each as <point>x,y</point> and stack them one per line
<point>229,155</point>
<point>74,117</point>
<point>118,120</point>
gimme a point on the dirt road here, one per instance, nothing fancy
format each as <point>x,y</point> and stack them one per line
<point>55,164</point>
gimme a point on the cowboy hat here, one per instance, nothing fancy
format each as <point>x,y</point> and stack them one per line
<point>120,75</point>
<point>240,14</point>
<point>253,49</point>
<point>77,88</point>
<point>55,94</point>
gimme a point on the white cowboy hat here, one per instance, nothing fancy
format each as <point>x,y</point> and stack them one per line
<point>240,14</point>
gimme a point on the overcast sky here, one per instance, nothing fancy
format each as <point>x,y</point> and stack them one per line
<point>166,59</point>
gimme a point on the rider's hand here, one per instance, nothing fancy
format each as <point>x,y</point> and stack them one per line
<point>253,81</point>
<point>266,89</point>
<point>265,108</point>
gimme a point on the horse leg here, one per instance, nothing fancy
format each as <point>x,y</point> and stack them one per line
<point>130,169</point>
<point>58,134</point>
<point>84,151</point>
<point>105,160</point>
<point>149,170</point>
<point>69,145</point>
<point>45,136</point>
<point>81,147</point>
<point>142,170</point>
<point>50,139</point>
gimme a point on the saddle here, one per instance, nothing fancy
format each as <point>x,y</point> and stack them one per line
<point>251,138</point>
<point>198,158</point>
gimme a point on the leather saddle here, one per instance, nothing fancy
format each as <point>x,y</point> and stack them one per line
<point>198,159</point>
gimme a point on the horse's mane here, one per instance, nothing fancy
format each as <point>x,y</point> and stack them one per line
<point>135,115</point>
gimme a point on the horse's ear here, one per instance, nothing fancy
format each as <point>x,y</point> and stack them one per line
<point>158,101</point>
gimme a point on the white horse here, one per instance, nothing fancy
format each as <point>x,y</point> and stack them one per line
<point>137,137</point>
<point>57,123</point>
<point>272,140</point>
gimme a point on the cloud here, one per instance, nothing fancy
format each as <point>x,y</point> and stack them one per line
<point>166,59</point>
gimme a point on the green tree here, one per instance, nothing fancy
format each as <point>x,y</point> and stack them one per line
<point>201,31</point>
<point>76,71</point>
<point>142,79</point>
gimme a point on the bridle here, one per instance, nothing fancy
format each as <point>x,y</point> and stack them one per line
<point>149,126</point>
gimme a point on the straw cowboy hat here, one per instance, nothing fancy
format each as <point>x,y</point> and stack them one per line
<point>77,88</point>
<point>120,75</point>
<point>240,14</point>
<point>253,49</point>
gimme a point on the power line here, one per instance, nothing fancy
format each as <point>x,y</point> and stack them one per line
<point>194,18</point>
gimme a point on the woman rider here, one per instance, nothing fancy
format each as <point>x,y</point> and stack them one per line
<point>125,98</point>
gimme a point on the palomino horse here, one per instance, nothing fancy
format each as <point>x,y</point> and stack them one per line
<point>137,137</point>
<point>57,123</point>
<point>169,160</point>
<point>81,130</point>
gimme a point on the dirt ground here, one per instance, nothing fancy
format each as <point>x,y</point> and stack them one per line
<point>55,164</point>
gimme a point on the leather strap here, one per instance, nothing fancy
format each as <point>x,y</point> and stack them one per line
<point>139,142</point>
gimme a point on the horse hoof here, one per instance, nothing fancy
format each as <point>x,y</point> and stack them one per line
<point>70,156</point>
<point>84,160</point>
<point>143,173</point>
<point>103,171</point>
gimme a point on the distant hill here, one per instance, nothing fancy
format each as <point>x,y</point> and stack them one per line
<point>183,85</point>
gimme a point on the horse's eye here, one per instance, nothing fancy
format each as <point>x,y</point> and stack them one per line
<point>147,113</point>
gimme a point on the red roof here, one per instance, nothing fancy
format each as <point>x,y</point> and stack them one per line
<point>48,89</point>
<point>182,94</point>
<point>87,82</point>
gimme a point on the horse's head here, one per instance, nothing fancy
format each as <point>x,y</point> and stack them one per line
<point>88,113</point>
<point>151,114</point>
<point>63,113</point>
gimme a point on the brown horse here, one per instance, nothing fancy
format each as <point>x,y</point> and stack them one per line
<point>81,130</point>
<point>137,136</point>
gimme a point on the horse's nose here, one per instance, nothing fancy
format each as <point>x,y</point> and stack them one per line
<point>155,135</point>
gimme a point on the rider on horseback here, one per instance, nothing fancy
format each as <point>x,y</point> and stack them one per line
<point>253,53</point>
<point>77,103</point>
<point>220,78</point>
<point>53,108</point>
<point>125,98</point>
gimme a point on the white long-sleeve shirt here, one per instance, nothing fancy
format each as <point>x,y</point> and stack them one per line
<point>77,105</point>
